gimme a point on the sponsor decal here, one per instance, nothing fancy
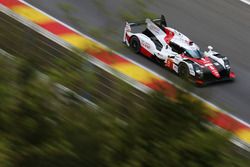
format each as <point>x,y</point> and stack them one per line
<point>145,44</point>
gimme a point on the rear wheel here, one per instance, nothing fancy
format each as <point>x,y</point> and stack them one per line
<point>135,44</point>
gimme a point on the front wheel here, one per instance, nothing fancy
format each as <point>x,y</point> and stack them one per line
<point>183,71</point>
<point>135,44</point>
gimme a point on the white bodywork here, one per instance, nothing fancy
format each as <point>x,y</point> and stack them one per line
<point>173,49</point>
<point>166,51</point>
<point>212,54</point>
<point>147,43</point>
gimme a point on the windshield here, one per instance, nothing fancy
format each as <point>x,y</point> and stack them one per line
<point>195,54</point>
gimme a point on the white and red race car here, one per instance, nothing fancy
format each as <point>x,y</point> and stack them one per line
<point>177,52</point>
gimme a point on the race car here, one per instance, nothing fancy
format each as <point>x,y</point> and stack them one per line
<point>177,52</point>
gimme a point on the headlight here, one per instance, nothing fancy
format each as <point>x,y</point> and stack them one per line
<point>198,70</point>
<point>227,65</point>
<point>217,64</point>
<point>224,58</point>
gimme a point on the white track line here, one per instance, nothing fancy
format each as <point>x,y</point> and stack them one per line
<point>179,87</point>
<point>246,1</point>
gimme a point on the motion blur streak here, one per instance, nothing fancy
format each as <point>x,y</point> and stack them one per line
<point>95,49</point>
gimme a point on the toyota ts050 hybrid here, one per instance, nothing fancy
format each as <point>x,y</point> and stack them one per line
<point>177,52</point>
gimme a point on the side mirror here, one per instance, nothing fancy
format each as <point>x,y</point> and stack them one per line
<point>210,48</point>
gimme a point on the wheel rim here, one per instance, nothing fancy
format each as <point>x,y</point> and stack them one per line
<point>134,45</point>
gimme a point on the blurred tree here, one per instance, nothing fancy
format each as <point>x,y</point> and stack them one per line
<point>164,133</point>
<point>37,128</point>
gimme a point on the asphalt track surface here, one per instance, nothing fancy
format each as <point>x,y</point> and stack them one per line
<point>224,24</point>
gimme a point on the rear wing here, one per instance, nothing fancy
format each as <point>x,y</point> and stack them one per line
<point>160,22</point>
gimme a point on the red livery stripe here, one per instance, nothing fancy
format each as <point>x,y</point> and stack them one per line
<point>169,35</point>
<point>145,52</point>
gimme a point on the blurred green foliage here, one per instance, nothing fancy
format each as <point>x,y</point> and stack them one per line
<point>38,128</point>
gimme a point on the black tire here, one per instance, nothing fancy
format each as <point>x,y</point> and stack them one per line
<point>135,44</point>
<point>184,71</point>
